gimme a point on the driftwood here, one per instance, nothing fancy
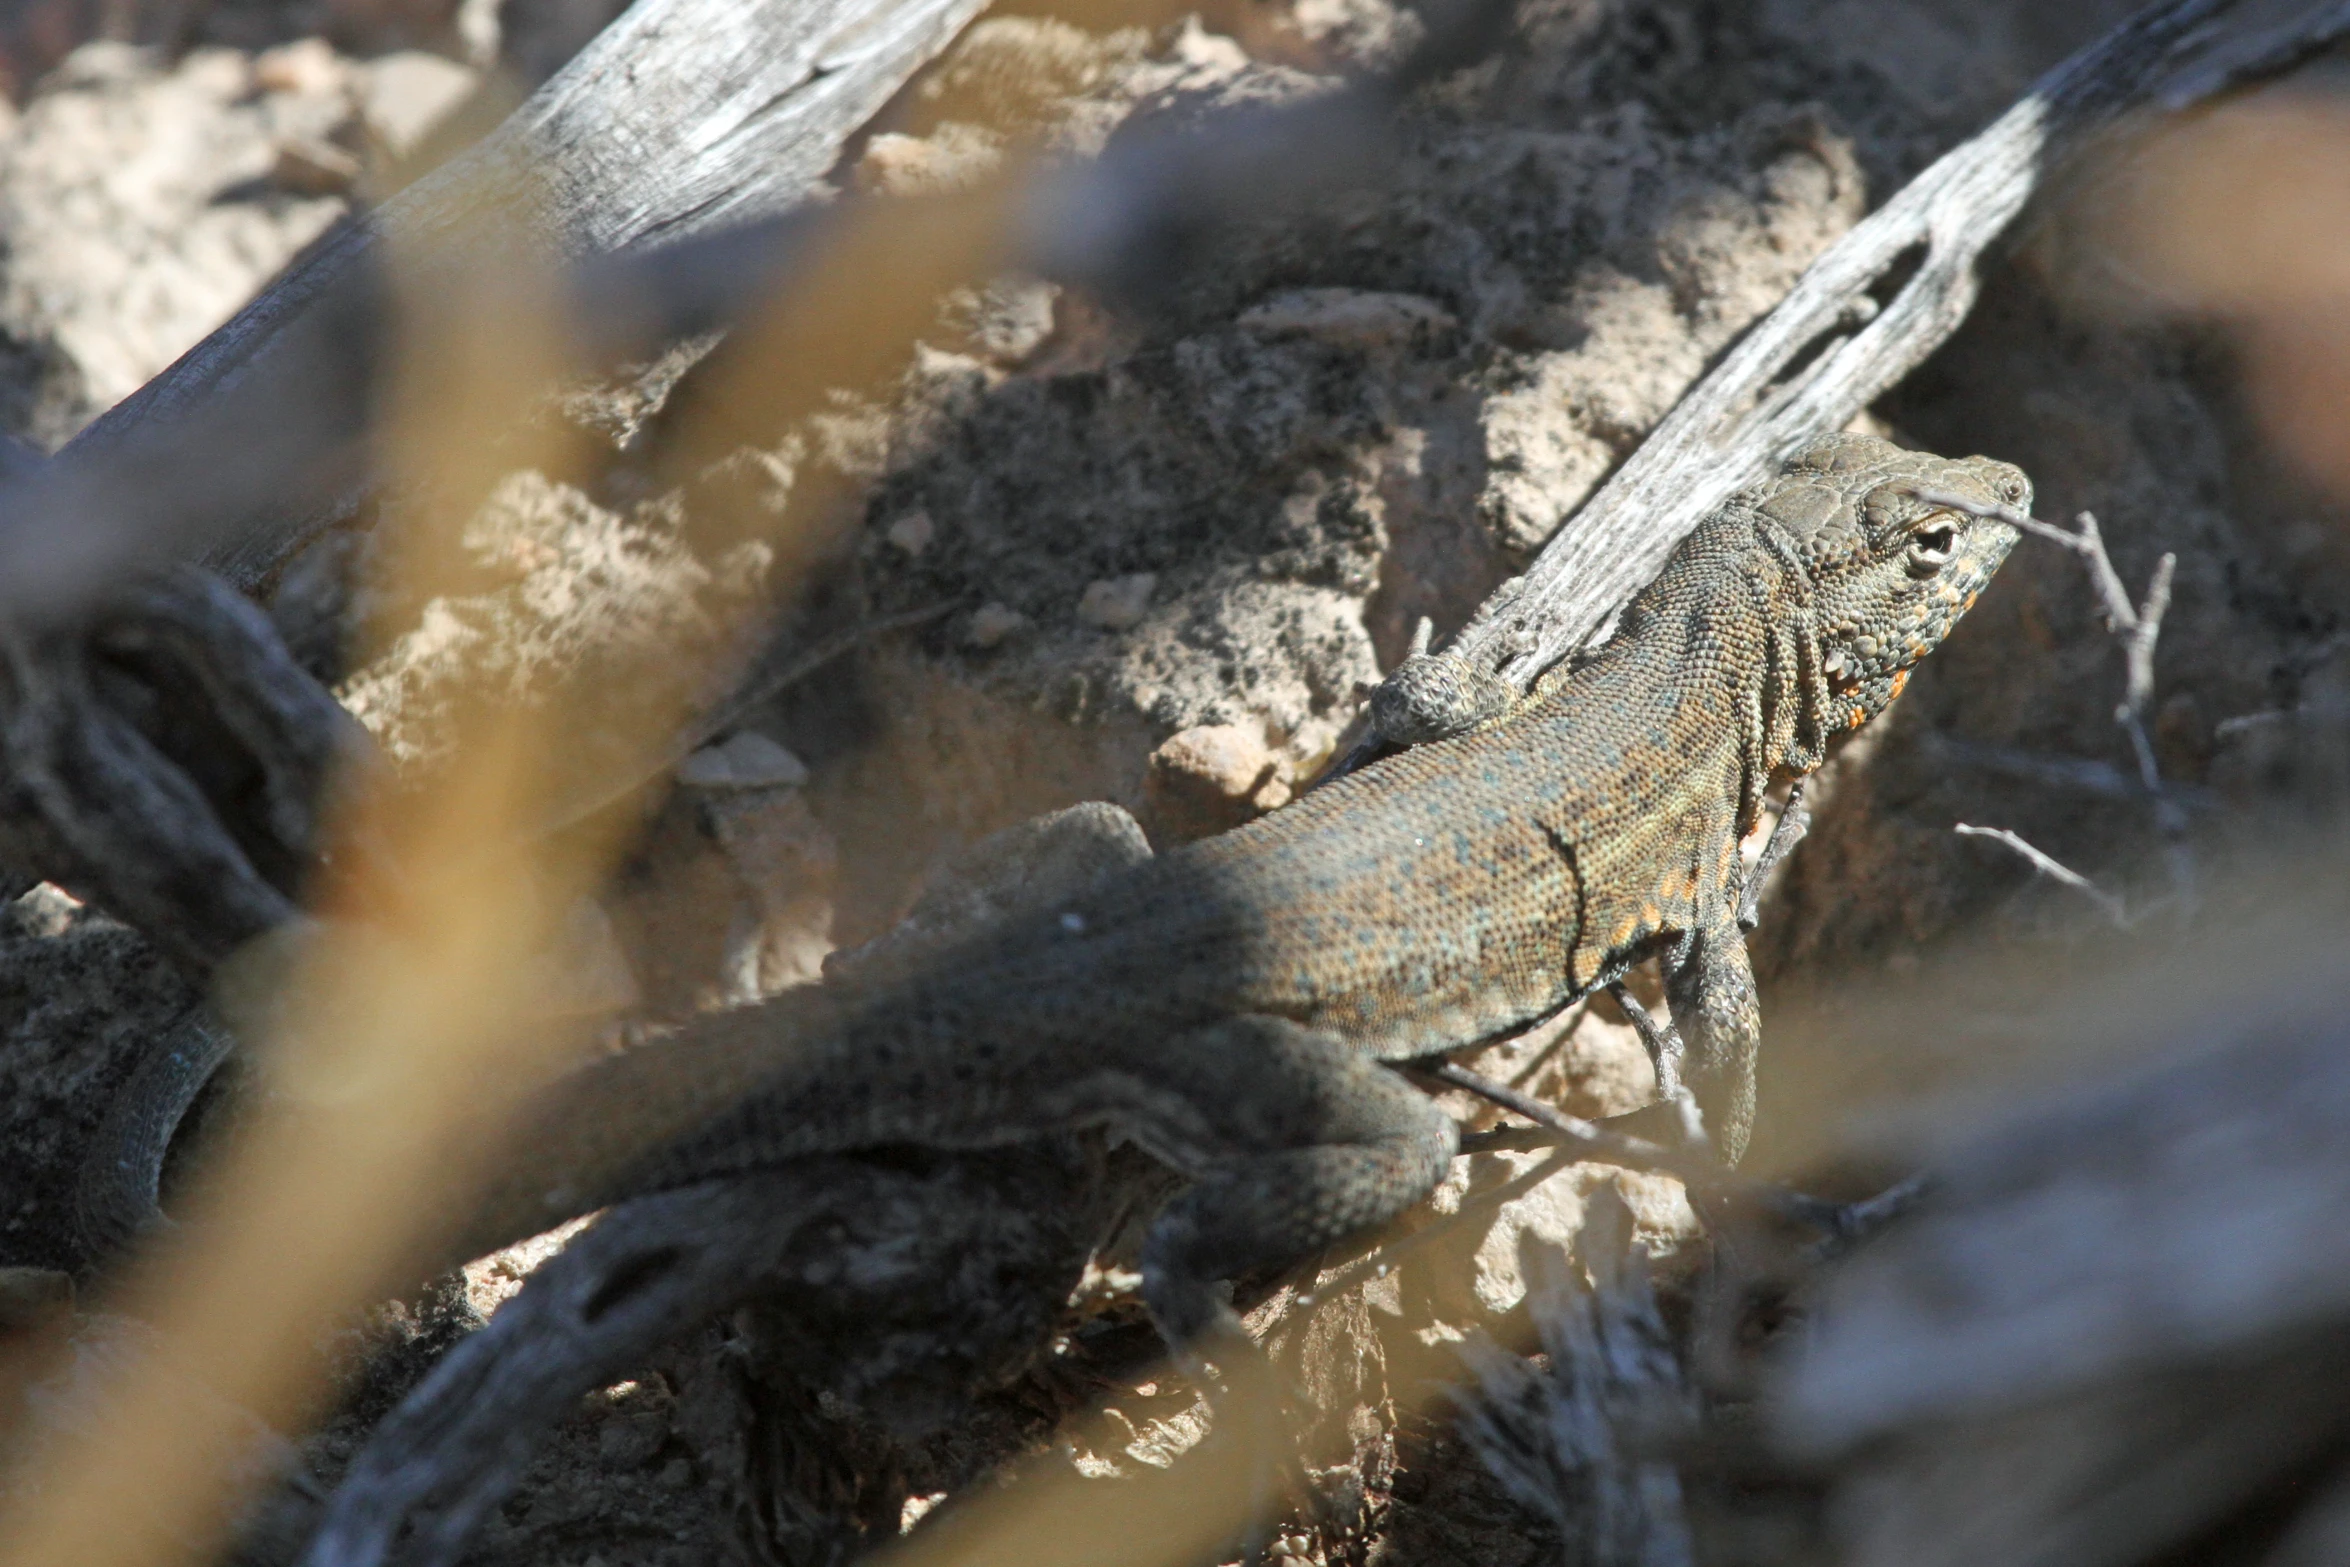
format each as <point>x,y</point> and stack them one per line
<point>1866,313</point>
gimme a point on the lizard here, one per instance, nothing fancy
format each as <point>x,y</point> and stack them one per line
<point>1237,1005</point>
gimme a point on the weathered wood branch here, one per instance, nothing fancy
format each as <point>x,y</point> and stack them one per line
<point>1834,345</point>
<point>682,118</point>
<point>198,830</point>
<point>893,1295</point>
<point>1578,1442</point>
<point>916,1289</point>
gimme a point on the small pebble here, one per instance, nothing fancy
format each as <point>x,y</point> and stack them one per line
<point>745,760</point>
<point>1212,777</point>
<point>1117,603</point>
<point>305,67</point>
<point>404,95</point>
<point>308,166</point>
<point>1354,318</point>
<point>990,624</point>
<point>912,533</point>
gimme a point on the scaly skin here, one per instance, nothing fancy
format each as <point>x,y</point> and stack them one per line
<point>1230,1005</point>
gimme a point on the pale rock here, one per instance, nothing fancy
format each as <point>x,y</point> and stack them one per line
<point>745,760</point>
<point>954,157</point>
<point>585,972</point>
<point>1212,777</point>
<point>312,166</point>
<point>912,533</point>
<point>1008,319</point>
<point>126,232</point>
<point>307,67</point>
<point>991,623</point>
<point>404,95</point>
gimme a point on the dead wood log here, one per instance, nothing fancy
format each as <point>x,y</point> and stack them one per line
<point>1866,313</point>
<point>683,117</point>
<point>908,1290</point>
<point>197,830</point>
<point>1582,1442</point>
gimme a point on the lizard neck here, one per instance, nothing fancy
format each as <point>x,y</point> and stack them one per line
<point>1795,709</point>
<point>1751,609</point>
<point>1722,656</point>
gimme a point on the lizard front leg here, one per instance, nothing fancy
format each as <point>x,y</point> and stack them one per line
<point>1720,1022</point>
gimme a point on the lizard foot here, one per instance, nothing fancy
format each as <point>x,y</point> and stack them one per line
<point>1320,1143</point>
<point>1674,1118</point>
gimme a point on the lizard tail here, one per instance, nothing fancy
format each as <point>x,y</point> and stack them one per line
<point>591,1135</point>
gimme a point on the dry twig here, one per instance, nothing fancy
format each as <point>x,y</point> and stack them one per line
<point>2054,869</point>
<point>2137,628</point>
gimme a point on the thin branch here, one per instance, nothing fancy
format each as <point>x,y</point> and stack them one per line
<point>1662,1041</point>
<point>2084,774</point>
<point>1584,1142</point>
<point>1788,831</point>
<point>1666,1052</point>
<point>2054,870</point>
<point>1859,1221</point>
<point>2137,628</point>
<point>2138,651</point>
<point>1694,1165</point>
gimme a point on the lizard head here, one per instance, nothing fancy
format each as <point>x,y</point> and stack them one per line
<point>1890,573</point>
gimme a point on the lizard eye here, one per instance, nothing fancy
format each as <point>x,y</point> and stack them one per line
<point>1930,547</point>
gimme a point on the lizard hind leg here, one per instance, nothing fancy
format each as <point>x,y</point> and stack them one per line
<point>1312,1142</point>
